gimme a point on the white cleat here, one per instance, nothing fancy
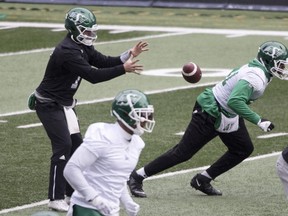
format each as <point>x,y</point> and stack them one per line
<point>58,205</point>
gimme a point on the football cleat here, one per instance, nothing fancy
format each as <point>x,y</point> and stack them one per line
<point>135,184</point>
<point>58,205</point>
<point>202,183</point>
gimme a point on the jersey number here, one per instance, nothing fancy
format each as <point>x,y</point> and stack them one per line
<point>230,75</point>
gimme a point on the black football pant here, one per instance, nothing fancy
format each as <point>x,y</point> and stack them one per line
<point>198,133</point>
<point>63,145</point>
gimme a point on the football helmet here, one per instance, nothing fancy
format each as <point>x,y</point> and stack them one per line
<point>274,57</point>
<point>81,24</point>
<point>134,110</point>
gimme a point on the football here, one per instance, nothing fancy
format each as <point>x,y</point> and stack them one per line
<point>191,72</point>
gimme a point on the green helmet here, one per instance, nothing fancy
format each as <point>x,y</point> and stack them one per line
<point>134,110</point>
<point>274,57</point>
<point>81,24</point>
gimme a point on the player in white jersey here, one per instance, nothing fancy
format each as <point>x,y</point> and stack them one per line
<point>100,167</point>
<point>282,169</point>
<point>220,111</point>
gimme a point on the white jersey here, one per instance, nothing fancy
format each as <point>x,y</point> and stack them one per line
<point>111,154</point>
<point>254,75</point>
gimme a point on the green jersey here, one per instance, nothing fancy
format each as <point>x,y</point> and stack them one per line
<point>233,95</point>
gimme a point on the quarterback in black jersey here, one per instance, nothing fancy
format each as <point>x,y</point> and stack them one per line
<point>74,59</point>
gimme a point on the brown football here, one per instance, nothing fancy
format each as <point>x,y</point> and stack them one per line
<point>191,72</point>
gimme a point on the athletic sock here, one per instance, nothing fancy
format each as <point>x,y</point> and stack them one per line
<point>204,173</point>
<point>141,172</point>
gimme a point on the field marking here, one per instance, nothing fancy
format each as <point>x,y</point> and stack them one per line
<point>228,32</point>
<point>170,31</point>
<point>111,98</point>
<point>30,125</point>
<point>45,202</point>
<point>265,136</point>
<point>205,167</point>
<point>272,135</point>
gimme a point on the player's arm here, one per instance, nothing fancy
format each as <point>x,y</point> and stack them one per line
<point>238,100</point>
<point>130,206</point>
<point>73,172</point>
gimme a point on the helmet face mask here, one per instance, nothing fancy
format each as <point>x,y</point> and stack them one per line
<point>133,109</point>
<point>87,35</point>
<point>81,24</point>
<point>274,57</point>
<point>280,70</point>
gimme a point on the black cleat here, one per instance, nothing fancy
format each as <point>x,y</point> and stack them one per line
<point>135,184</point>
<point>202,183</point>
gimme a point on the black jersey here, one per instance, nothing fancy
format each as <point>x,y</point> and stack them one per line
<point>69,63</point>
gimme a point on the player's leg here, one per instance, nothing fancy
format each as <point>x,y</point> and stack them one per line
<point>76,142</point>
<point>54,122</point>
<point>239,146</point>
<point>199,131</point>
<point>282,171</point>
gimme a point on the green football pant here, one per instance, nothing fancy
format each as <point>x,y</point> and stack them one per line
<point>82,211</point>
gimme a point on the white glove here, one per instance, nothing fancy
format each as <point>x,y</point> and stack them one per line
<point>265,125</point>
<point>104,206</point>
<point>132,208</point>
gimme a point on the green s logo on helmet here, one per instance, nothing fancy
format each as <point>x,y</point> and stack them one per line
<point>134,110</point>
<point>81,24</point>
<point>274,57</point>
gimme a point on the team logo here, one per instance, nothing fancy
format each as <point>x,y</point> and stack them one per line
<point>274,52</point>
<point>125,100</point>
<point>77,18</point>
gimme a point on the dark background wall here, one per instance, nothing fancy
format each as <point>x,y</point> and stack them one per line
<point>265,5</point>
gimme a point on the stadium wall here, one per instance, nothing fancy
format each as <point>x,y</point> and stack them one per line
<point>263,5</point>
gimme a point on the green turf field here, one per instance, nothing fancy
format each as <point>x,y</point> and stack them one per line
<point>250,189</point>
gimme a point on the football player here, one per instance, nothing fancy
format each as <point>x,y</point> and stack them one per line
<point>73,59</point>
<point>282,169</point>
<point>221,111</point>
<point>99,169</point>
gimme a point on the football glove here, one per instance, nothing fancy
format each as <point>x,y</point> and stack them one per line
<point>104,206</point>
<point>265,125</point>
<point>132,209</point>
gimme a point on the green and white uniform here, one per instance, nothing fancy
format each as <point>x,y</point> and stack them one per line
<point>242,86</point>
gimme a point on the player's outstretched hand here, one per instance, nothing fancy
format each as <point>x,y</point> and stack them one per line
<point>265,125</point>
<point>140,47</point>
<point>131,66</point>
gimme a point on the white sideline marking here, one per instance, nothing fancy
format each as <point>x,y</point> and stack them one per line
<point>271,135</point>
<point>17,208</point>
<point>30,125</point>
<point>44,202</point>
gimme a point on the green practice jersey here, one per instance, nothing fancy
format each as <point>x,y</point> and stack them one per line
<point>233,95</point>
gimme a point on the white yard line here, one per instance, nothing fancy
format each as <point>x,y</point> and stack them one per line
<point>169,31</point>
